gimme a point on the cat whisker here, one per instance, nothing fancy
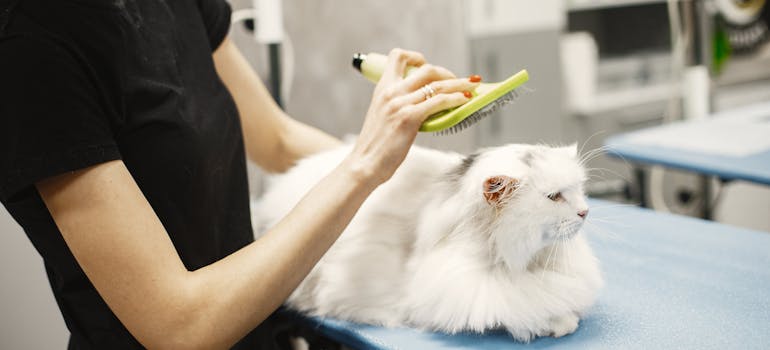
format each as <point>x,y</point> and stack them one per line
<point>602,231</point>
<point>591,155</point>
<point>557,250</point>
<point>597,170</point>
<point>566,263</point>
<point>621,157</point>
<point>611,219</point>
<point>589,139</point>
<point>547,260</point>
<point>604,220</point>
<point>595,175</point>
<point>565,252</point>
<point>594,151</point>
<point>605,170</point>
<point>614,205</point>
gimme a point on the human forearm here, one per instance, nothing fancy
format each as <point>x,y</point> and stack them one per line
<point>248,285</point>
<point>295,141</point>
<point>301,140</point>
<point>128,256</point>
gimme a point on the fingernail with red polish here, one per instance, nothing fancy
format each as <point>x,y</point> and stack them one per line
<point>475,78</point>
<point>467,94</point>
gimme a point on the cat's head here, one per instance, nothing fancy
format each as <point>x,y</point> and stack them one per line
<point>531,195</point>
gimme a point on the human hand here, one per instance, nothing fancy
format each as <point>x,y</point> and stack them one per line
<point>399,106</point>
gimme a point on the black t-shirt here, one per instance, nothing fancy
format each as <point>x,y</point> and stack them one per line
<point>88,81</point>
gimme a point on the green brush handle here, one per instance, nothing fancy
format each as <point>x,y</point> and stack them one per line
<point>372,66</point>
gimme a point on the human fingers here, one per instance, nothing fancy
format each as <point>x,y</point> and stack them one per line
<point>425,74</point>
<point>435,104</point>
<point>434,88</point>
<point>398,61</point>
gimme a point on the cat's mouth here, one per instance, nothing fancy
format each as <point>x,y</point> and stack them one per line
<point>568,229</point>
<point>562,231</point>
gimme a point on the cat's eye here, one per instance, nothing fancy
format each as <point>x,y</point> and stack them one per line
<point>555,196</point>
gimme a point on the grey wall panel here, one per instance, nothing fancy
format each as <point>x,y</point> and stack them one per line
<point>29,317</point>
<point>536,116</point>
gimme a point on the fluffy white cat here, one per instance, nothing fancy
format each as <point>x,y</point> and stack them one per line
<point>453,243</point>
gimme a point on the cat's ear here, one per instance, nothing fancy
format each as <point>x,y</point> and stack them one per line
<point>498,189</point>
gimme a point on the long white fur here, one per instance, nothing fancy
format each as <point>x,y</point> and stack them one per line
<point>427,250</point>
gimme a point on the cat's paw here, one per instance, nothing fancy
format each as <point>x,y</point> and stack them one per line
<point>524,336</point>
<point>563,325</point>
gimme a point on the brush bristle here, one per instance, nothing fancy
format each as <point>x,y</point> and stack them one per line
<point>480,114</point>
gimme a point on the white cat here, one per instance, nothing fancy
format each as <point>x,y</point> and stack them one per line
<point>453,243</point>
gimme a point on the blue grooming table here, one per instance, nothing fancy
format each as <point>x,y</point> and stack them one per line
<point>672,282</point>
<point>754,166</point>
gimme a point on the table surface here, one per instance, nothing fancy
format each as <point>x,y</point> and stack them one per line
<point>671,282</point>
<point>700,145</point>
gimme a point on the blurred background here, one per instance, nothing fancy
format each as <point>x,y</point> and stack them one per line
<point>597,68</point>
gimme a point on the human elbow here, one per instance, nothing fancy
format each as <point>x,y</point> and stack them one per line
<point>181,336</point>
<point>181,325</point>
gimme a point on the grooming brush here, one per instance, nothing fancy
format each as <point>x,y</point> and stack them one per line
<point>487,97</point>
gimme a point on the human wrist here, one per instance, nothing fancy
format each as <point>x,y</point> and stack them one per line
<point>361,172</point>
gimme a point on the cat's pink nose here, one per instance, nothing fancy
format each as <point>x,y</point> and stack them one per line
<point>583,213</point>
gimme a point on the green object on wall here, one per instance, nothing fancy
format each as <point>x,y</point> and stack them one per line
<point>721,49</point>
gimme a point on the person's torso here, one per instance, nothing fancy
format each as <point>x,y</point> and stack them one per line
<point>176,127</point>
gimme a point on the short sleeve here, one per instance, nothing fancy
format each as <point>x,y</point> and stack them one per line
<point>216,19</point>
<point>51,118</point>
